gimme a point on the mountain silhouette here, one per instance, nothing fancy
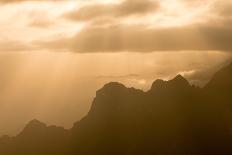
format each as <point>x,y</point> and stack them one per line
<point>178,81</point>
<point>172,118</point>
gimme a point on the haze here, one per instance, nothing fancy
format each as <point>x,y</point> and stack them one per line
<point>54,55</point>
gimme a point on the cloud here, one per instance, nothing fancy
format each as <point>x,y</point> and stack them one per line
<point>202,76</point>
<point>109,34</point>
<point>223,8</point>
<point>124,9</point>
<point>41,23</point>
<point>139,38</point>
<point>12,46</point>
<point>118,77</point>
<point>19,1</point>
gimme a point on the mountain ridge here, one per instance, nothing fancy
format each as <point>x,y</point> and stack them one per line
<point>173,117</point>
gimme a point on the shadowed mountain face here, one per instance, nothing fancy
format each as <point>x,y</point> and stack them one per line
<point>173,117</point>
<point>36,138</point>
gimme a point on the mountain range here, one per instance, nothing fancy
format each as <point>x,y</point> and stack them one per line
<point>172,118</point>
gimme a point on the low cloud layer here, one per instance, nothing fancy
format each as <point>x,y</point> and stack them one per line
<point>202,37</point>
<point>11,46</point>
<point>123,9</point>
<point>213,33</point>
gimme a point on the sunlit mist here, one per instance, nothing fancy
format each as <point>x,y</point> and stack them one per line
<point>55,54</point>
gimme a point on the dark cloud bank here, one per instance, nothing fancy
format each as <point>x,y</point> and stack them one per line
<point>213,34</point>
<point>142,39</point>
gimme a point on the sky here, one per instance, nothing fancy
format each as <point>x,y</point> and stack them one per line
<point>55,54</point>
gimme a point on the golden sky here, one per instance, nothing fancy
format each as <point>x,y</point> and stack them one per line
<point>115,26</point>
<point>54,54</point>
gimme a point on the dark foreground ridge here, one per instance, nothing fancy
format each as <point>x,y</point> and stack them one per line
<point>172,118</point>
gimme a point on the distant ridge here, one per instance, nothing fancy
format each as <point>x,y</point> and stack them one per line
<point>177,82</point>
<point>172,118</point>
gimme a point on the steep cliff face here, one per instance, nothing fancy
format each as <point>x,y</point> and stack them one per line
<point>219,88</point>
<point>173,117</point>
<point>222,80</point>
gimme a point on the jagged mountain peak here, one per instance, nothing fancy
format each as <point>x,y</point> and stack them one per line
<point>179,77</point>
<point>34,125</point>
<point>157,84</point>
<point>180,80</point>
<point>111,88</point>
<point>116,88</point>
<point>113,85</point>
<point>177,81</point>
<point>36,122</point>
